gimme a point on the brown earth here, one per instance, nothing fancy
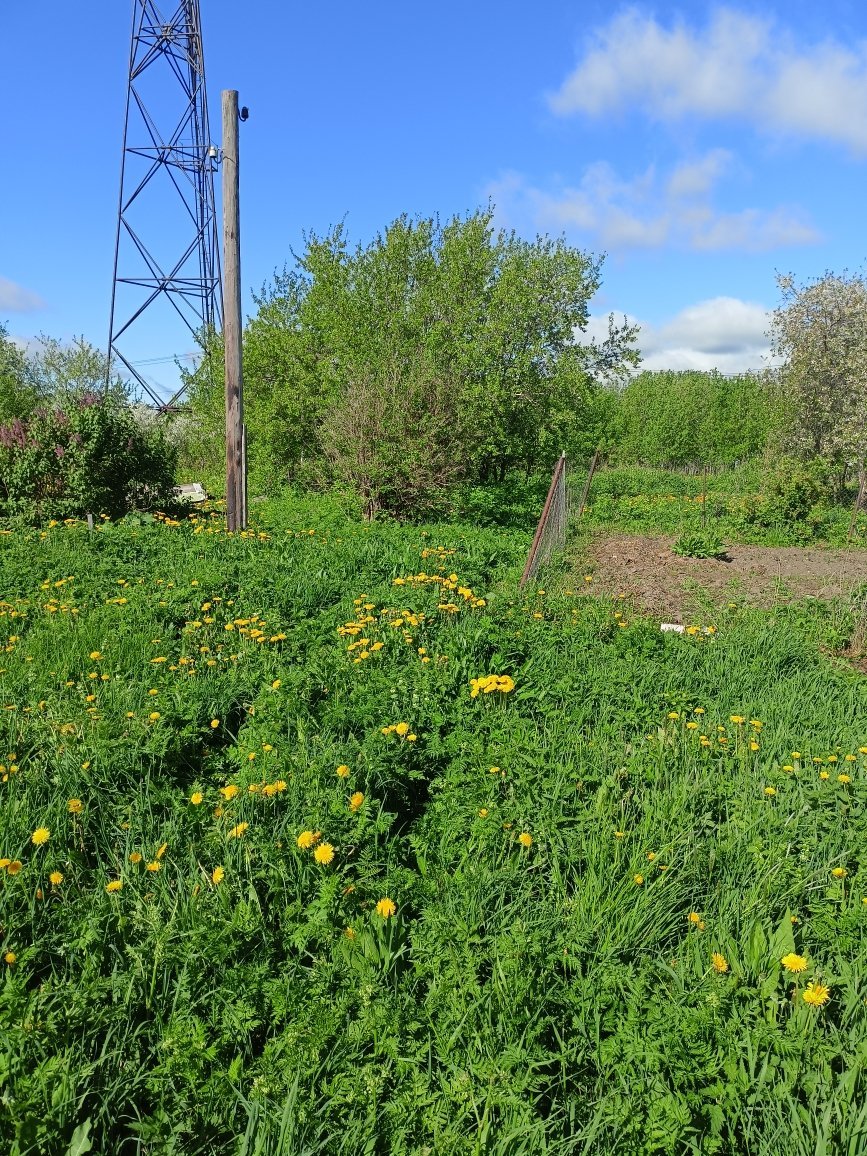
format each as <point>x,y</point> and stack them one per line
<point>676,589</point>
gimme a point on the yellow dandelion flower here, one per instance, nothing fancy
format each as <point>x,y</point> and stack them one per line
<point>839,872</point>
<point>275,685</point>
<point>356,800</point>
<point>770,792</point>
<point>14,867</point>
<point>135,857</point>
<point>154,866</point>
<point>816,994</point>
<point>386,907</point>
<point>162,850</point>
<point>217,875</point>
<point>229,792</point>
<point>55,878</point>
<point>40,835</point>
<point>324,853</point>
<point>525,839</point>
<point>719,963</point>
<point>694,917</point>
<point>402,728</point>
<point>215,722</point>
<point>115,885</point>
<point>154,715</point>
<point>238,831</point>
<point>307,839</point>
<point>196,798</point>
<point>638,879</point>
<point>342,771</point>
<point>483,814</point>
<point>794,962</point>
<point>844,779</point>
<point>75,806</point>
<point>349,932</point>
<point>824,775</point>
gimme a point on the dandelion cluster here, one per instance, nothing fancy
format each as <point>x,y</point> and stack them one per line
<point>491,684</point>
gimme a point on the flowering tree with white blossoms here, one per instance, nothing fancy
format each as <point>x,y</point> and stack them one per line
<point>820,332</point>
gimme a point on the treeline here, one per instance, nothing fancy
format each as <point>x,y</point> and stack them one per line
<point>691,418</point>
<point>433,354</point>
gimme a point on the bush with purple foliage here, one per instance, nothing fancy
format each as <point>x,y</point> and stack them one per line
<point>88,457</point>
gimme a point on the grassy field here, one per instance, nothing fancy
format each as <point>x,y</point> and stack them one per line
<point>276,880</point>
<point>734,504</point>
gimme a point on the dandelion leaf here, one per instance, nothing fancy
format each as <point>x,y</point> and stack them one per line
<point>80,1142</point>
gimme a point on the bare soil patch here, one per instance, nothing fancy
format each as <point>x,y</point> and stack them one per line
<point>675,589</point>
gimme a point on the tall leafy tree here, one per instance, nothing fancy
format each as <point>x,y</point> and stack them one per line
<point>435,351</point>
<point>62,369</point>
<point>18,392</point>
<point>690,417</point>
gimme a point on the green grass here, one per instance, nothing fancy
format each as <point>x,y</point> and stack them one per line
<point>522,999</point>
<point>730,505</point>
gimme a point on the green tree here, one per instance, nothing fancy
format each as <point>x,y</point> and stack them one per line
<point>690,417</point>
<point>18,392</point>
<point>64,369</point>
<point>434,352</point>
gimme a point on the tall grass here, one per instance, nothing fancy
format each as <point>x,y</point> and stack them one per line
<point>528,996</point>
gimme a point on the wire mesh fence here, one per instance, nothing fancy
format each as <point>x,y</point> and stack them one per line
<point>551,530</point>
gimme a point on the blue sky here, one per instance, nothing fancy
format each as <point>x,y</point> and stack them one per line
<point>702,147</point>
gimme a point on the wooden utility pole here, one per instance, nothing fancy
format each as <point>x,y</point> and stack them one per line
<point>236,461</point>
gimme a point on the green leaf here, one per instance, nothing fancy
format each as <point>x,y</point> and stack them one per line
<point>757,948</point>
<point>783,941</point>
<point>80,1142</point>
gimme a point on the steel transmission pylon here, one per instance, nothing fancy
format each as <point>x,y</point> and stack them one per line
<point>166,283</point>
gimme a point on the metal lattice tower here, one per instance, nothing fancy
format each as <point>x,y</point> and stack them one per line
<point>166,261</point>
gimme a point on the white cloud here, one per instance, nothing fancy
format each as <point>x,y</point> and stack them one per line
<point>697,178</point>
<point>723,333</point>
<point>649,211</point>
<point>738,66</point>
<point>17,299</point>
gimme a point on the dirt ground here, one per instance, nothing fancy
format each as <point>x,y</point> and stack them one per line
<point>676,588</point>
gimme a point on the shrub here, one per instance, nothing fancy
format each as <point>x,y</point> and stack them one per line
<point>88,457</point>
<point>698,545</point>
<point>796,494</point>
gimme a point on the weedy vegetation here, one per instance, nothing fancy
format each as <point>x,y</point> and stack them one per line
<point>327,837</point>
<point>324,838</point>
